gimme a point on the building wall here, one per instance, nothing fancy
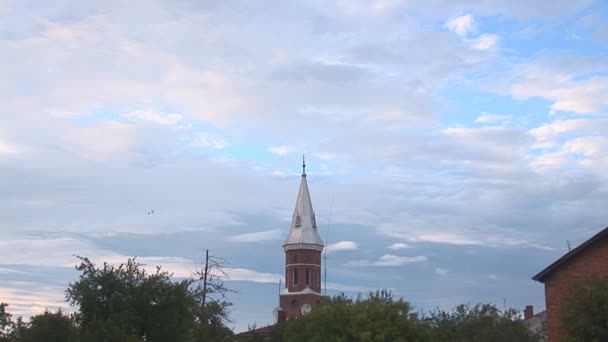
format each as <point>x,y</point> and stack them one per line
<point>291,303</point>
<point>591,260</point>
<point>300,261</point>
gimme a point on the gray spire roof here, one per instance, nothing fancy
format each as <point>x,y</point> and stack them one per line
<point>303,233</point>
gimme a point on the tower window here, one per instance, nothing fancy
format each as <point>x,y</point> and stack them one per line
<point>295,276</point>
<point>307,276</point>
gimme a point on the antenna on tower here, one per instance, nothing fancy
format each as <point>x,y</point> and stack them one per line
<point>331,207</point>
<point>280,283</point>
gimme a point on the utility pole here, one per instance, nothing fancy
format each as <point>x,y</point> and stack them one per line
<point>205,277</point>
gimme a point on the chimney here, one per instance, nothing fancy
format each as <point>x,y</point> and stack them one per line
<point>528,311</point>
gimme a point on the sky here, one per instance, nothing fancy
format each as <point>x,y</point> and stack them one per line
<point>453,148</point>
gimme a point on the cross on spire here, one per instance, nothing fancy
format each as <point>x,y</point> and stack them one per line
<point>303,166</point>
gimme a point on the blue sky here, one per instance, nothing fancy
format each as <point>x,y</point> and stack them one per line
<point>454,146</point>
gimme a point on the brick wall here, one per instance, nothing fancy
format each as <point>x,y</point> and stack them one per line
<point>292,304</point>
<point>303,261</point>
<point>591,260</point>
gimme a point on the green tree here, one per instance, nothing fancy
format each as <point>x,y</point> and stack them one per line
<point>585,316</point>
<point>379,317</point>
<point>49,327</point>
<point>482,322</point>
<point>6,323</point>
<point>125,303</point>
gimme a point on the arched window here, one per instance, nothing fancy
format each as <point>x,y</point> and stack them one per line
<point>295,276</point>
<point>307,276</point>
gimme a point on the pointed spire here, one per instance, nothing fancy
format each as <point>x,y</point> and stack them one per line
<point>303,233</point>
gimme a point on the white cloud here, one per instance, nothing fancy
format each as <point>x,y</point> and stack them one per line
<point>267,235</point>
<point>206,139</point>
<point>492,276</point>
<point>486,118</point>
<point>7,147</point>
<point>461,25</point>
<point>387,260</point>
<point>446,238</point>
<point>349,288</point>
<point>9,270</point>
<point>342,246</point>
<point>242,274</point>
<point>52,252</point>
<point>26,298</point>
<point>486,41</point>
<point>102,141</point>
<point>278,173</point>
<point>281,150</point>
<point>398,246</point>
<point>441,271</point>
<point>155,117</point>
<point>325,155</point>
<point>571,89</point>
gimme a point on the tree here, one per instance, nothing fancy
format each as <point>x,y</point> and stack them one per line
<point>6,323</point>
<point>585,316</point>
<point>213,292</point>
<point>379,317</point>
<point>482,322</point>
<point>125,303</point>
<point>49,327</point>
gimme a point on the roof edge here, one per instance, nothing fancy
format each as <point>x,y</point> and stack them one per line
<point>542,275</point>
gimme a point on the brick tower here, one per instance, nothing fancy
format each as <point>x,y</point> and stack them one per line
<point>303,249</point>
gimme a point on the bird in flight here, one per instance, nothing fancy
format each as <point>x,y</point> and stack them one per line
<point>151,212</point>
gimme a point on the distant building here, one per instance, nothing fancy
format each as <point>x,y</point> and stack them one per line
<point>303,249</point>
<point>536,324</point>
<point>575,267</point>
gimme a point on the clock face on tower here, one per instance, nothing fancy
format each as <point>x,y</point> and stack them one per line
<point>305,309</point>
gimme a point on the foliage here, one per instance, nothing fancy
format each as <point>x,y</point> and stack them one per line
<point>585,315</point>
<point>126,303</point>
<point>49,327</point>
<point>482,322</point>
<point>379,317</point>
<point>6,323</point>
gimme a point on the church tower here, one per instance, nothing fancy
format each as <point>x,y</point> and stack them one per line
<point>303,249</point>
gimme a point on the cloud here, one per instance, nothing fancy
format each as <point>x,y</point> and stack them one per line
<point>241,274</point>
<point>281,150</point>
<point>550,134</point>
<point>211,140</point>
<point>387,260</point>
<point>341,246</point>
<point>349,288</point>
<point>267,235</point>
<point>7,147</point>
<point>441,271</point>
<point>484,42</point>
<point>461,25</point>
<point>102,141</point>
<point>325,155</point>
<point>486,118</point>
<point>10,270</point>
<point>492,277</point>
<point>571,84</point>
<point>397,246</point>
<point>154,117</point>
<point>27,297</point>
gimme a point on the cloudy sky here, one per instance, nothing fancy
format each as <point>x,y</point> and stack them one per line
<point>453,147</point>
